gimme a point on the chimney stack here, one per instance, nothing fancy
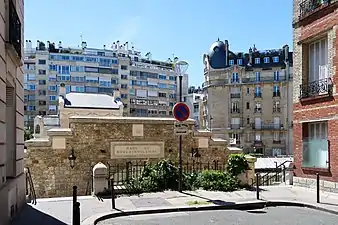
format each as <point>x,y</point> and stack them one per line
<point>286,53</point>
<point>62,90</point>
<point>226,43</point>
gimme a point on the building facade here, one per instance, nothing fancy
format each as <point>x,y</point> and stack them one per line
<point>147,87</point>
<point>248,98</point>
<point>193,100</point>
<point>315,105</point>
<point>12,178</point>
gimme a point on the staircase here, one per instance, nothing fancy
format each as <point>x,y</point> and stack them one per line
<point>30,191</point>
<point>277,176</point>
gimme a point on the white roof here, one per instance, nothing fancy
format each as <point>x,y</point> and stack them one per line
<point>269,163</point>
<point>86,100</point>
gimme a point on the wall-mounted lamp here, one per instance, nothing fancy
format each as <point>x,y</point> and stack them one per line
<point>195,153</point>
<point>72,158</point>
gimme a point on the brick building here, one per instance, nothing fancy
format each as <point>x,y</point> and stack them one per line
<point>315,105</point>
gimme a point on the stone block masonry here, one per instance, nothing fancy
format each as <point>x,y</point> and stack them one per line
<point>93,140</point>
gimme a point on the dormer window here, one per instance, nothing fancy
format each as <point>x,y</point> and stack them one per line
<point>257,60</point>
<point>239,61</point>
<point>231,62</point>
<point>275,59</point>
<point>266,59</point>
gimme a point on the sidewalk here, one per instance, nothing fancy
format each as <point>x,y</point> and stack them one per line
<point>57,211</point>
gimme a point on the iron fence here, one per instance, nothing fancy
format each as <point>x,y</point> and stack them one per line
<point>120,173</point>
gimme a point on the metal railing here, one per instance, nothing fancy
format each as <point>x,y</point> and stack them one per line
<point>271,126</point>
<point>307,7</point>
<point>30,191</point>
<point>235,95</point>
<point>278,174</point>
<point>316,88</point>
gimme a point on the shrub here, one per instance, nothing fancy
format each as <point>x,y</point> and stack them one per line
<point>164,176</point>
<point>211,180</point>
<point>237,164</point>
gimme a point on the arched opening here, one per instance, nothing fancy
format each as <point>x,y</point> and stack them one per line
<point>37,129</point>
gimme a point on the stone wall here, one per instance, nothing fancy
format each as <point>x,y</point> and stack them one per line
<point>92,139</point>
<point>324,185</point>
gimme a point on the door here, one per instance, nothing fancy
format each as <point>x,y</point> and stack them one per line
<point>258,123</point>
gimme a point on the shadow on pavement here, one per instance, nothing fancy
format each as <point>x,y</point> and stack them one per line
<point>30,215</point>
<point>216,202</point>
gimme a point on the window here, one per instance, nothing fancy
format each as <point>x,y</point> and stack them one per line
<point>266,59</point>
<point>42,72</point>
<point>52,108</point>
<point>124,86</point>
<point>52,88</point>
<point>315,145</point>
<point>234,78</point>
<point>276,136</point>
<point>31,87</point>
<point>276,76</point>
<point>258,137</point>
<point>76,68</point>
<point>275,59</point>
<point>276,106</point>
<point>231,62</point>
<point>248,105</point>
<point>235,107</point>
<point>42,62</point>
<point>172,78</point>
<point>248,91</point>
<point>53,67</point>
<point>276,91</point>
<point>52,98</point>
<point>124,77</point>
<point>239,61</point>
<point>196,107</point>
<point>235,138</point>
<point>258,107</point>
<point>276,152</point>
<point>257,60</point>
<point>258,76</point>
<point>91,69</point>
<point>52,78</point>
<point>162,77</point>
<point>258,91</point>
<point>124,96</point>
<point>247,120</point>
<point>63,78</point>
<point>318,58</point>
<point>79,89</point>
<point>77,79</point>
<point>124,67</point>
<point>162,85</point>
<point>42,82</point>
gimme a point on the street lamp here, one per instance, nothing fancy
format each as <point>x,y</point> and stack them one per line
<point>180,69</point>
<point>72,158</point>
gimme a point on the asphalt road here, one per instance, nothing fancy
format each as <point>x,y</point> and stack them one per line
<point>267,216</point>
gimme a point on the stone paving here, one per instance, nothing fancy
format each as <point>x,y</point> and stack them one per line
<point>57,211</point>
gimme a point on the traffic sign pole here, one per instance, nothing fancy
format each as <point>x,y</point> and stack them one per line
<point>180,143</point>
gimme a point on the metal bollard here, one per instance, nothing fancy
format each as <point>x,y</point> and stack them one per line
<point>74,194</point>
<point>76,214</point>
<point>112,194</point>
<point>257,186</point>
<point>284,173</point>
<point>318,191</point>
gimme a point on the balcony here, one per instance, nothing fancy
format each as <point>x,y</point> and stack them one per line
<point>315,153</point>
<point>235,126</point>
<point>316,89</point>
<point>235,111</point>
<point>276,94</point>
<point>14,30</point>
<point>309,7</point>
<point>271,126</point>
<point>258,110</point>
<point>215,83</point>
<point>235,95</point>
<point>276,110</point>
<point>258,95</point>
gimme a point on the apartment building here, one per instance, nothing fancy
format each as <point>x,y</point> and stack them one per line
<point>193,100</point>
<point>12,178</point>
<point>147,87</point>
<point>315,101</point>
<point>248,98</point>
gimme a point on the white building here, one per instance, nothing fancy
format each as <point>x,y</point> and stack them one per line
<point>193,100</point>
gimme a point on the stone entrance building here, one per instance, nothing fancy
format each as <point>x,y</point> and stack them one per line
<point>113,140</point>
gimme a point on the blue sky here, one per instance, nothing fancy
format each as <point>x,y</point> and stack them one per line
<point>185,28</point>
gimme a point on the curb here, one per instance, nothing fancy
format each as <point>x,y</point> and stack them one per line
<point>259,204</point>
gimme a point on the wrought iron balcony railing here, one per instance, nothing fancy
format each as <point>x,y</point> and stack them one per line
<point>276,110</point>
<point>271,126</point>
<point>258,95</point>
<point>276,94</point>
<point>14,29</point>
<point>235,126</point>
<point>235,95</point>
<point>234,111</point>
<point>307,7</point>
<point>316,88</point>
